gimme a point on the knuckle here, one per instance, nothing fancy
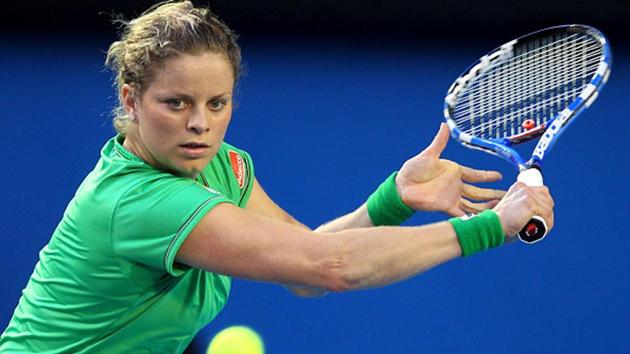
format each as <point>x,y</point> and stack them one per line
<point>529,192</point>
<point>517,187</point>
<point>530,203</point>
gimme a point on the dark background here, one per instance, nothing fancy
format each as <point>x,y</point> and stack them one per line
<point>419,20</point>
<point>337,95</point>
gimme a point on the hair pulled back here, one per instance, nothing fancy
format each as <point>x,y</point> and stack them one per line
<point>163,31</point>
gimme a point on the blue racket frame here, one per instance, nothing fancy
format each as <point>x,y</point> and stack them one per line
<point>554,127</point>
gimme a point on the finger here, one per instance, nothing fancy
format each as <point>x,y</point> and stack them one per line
<point>551,218</point>
<point>439,142</point>
<point>516,191</point>
<point>539,202</point>
<point>470,207</point>
<point>541,197</point>
<point>542,193</point>
<point>457,212</point>
<point>473,175</point>
<point>476,193</point>
<point>492,203</point>
<point>546,213</point>
<point>545,204</point>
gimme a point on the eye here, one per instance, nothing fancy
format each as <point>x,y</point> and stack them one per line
<point>217,104</point>
<point>175,103</point>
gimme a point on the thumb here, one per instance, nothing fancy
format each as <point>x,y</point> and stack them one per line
<point>439,142</point>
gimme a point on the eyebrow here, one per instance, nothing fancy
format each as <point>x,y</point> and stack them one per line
<point>163,95</point>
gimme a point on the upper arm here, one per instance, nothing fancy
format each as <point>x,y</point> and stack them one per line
<point>237,242</point>
<point>261,204</point>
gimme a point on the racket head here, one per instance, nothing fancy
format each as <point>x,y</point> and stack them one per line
<point>529,87</point>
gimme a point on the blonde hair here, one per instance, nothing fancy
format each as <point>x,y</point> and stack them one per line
<point>165,30</point>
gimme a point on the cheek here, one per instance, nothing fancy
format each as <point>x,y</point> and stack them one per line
<point>159,136</point>
<point>224,122</point>
<point>158,127</point>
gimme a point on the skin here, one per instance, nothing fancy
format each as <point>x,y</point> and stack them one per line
<point>426,182</point>
<point>178,109</point>
<point>189,100</point>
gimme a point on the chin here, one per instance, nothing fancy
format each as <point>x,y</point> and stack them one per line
<point>191,172</point>
<point>185,171</point>
<point>194,171</point>
<point>191,168</point>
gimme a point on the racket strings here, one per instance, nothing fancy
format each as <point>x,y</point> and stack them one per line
<point>541,45</point>
<point>538,82</point>
<point>546,80</point>
<point>550,81</point>
<point>529,60</point>
<point>510,125</point>
<point>505,98</point>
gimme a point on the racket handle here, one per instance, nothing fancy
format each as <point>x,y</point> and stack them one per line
<point>536,229</point>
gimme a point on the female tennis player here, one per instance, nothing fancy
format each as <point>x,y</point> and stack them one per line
<point>144,254</point>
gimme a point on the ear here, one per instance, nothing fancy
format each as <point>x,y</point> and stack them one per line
<point>129,102</point>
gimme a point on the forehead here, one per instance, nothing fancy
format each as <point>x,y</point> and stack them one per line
<point>204,70</point>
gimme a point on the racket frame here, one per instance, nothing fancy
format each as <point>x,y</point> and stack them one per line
<point>553,128</point>
<point>529,170</point>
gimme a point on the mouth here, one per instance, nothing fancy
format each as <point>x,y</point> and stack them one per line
<point>194,150</point>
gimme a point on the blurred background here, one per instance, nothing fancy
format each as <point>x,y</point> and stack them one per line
<point>337,95</point>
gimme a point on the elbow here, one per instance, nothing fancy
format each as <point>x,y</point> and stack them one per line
<point>308,292</point>
<point>339,287</point>
<point>342,284</point>
<point>337,265</point>
<point>341,275</point>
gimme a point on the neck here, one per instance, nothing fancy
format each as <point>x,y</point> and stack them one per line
<point>134,145</point>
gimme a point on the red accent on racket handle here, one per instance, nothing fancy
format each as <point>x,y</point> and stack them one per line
<point>534,231</point>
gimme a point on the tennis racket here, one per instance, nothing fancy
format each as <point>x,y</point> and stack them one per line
<point>528,88</point>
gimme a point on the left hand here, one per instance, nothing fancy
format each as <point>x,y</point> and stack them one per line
<point>426,182</point>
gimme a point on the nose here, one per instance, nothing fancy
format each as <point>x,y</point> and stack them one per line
<point>199,122</point>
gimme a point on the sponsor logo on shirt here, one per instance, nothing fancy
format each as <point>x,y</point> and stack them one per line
<point>238,166</point>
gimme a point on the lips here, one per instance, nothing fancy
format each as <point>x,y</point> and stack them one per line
<point>194,145</point>
<point>194,149</point>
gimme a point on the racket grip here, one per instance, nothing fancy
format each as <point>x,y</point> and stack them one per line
<point>536,229</point>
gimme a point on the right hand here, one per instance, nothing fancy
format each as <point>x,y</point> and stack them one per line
<point>427,182</point>
<point>518,206</point>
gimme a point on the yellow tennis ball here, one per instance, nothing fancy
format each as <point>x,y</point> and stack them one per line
<point>236,340</point>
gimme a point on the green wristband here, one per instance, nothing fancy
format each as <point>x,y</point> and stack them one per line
<point>479,232</point>
<point>385,207</point>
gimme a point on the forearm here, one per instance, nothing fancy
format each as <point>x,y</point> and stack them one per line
<point>375,257</point>
<point>232,241</point>
<point>358,218</point>
<point>383,207</point>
